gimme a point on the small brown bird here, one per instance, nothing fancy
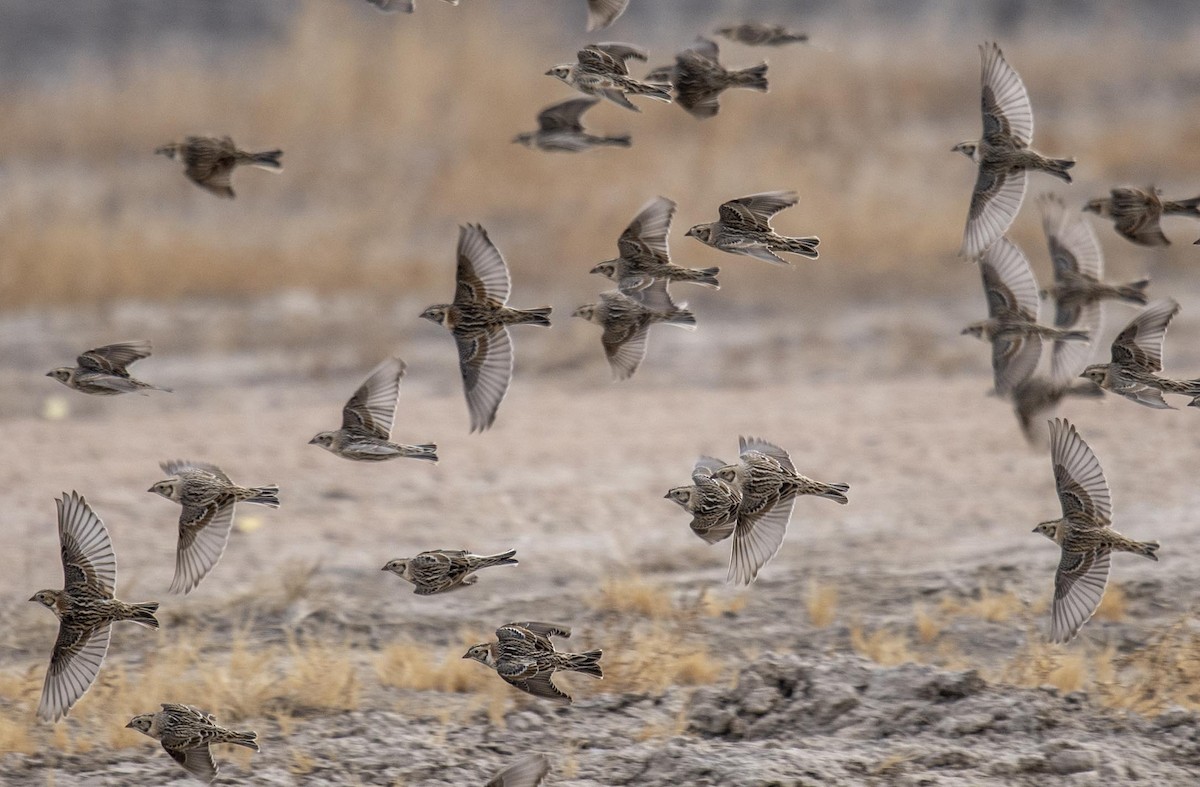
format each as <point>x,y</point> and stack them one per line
<point>207,497</point>
<point>367,421</point>
<point>1135,213</point>
<point>713,503</point>
<point>699,78</point>
<point>209,162</point>
<point>85,607</point>
<point>602,13</point>
<point>524,656</point>
<point>443,570</point>
<point>560,129</point>
<point>644,254</point>
<point>407,6</point>
<point>187,734</point>
<point>1137,360</point>
<point>602,71</point>
<point>744,227</point>
<point>1084,532</point>
<point>626,319</point>
<point>1036,395</point>
<point>768,483</point>
<point>528,771</point>
<point>102,372</point>
<point>1012,327</point>
<point>479,319</point>
<point>761,34</point>
<point>1002,153</point>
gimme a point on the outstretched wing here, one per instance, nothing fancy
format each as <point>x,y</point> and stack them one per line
<point>1082,490</point>
<point>1008,282</point>
<point>486,363</point>
<point>1073,244</point>
<point>1140,345</point>
<point>372,409</point>
<point>1078,587</point>
<point>1007,113</point>
<point>602,13</point>
<point>757,537</point>
<point>113,358</point>
<point>565,115</point>
<point>646,236</point>
<point>482,274</point>
<point>198,762</point>
<point>609,57</point>
<point>528,771</point>
<point>747,444</point>
<point>201,544</point>
<point>754,211</point>
<point>89,564</point>
<point>74,663</point>
<point>177,466</point>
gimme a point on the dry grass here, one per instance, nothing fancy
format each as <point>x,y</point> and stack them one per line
<point>383,162</point>
<point>1113,606</point>
<point>883,646</point>
<point>928,627</point>
<point>654,660</point>
<point>636,596</point>
<point>989,605</point>
<point>821,604</point>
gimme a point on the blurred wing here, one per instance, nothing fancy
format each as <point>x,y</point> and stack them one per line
<point>198,762</point>
<point>602,13</point>
<point>177,466</point>
<point>1078,587</point>
<point>1007,112</point>
<point>1147,396</point>
<point>372,409</point>
<point>215,180</point>
<point>113,358</point>
<point>482,274</point>
<point>486,363</point>
<point>89,564</point>
<point>1140,345</point>
<point>706,466</point>
<point>1141,226</point>
<point>706,48</point>
<point>1068,358</point>
<point>201,545</point>
<point>536,683</point>
<point>747,444</point>
<point>542,629</point>
<point>646,235</point>
<point>565,115</point>
<point>757,538</point>
<point>1013,360</point>
<point>625,346</point>
<point>525,772</point>
<point>1082,490</point>
<point>755,211</point>
<point>754,249</point>
<point>1073,244</point>
<point>994,204</point>
<point>74,664</point>
<point>1008,282</point>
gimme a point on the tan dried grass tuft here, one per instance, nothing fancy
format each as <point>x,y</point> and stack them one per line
<point>821,603</point>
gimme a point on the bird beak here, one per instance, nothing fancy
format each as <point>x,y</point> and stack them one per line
<point>312,441</point>
<point>152,489</point>
<point>33,598</point>
<point>385,568</point>
<point>547,74</point>
<point>667,496</point>
<point>129,726</point>
<point>49,374</point>
<point>466,655</point>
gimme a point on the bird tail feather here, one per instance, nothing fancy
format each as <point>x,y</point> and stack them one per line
<point>587,663</point>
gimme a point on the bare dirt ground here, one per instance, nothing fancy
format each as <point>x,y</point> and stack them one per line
<point>896,640</point>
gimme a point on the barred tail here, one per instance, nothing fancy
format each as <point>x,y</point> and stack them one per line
<point>681,317</point>
<point>706,277</point>
<point>264,495</point>
<point>1058,167</point>
<point>534,316</point>
<point>753,78</point>
<point>805,247</point>
<point>587,663</point>
<point>1187,207</point>
<point>247,739</point>
<point>503,559</point>
<point>1134,292</point>
<point>1146,549</point>
<point>143,614</point>
<point>268,160</point>
<point>427,451</point>
<point>835,492</point>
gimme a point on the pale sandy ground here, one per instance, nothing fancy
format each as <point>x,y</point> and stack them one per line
<point>887,398</point>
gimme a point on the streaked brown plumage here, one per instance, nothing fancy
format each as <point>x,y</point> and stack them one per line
<point>1133,371</point>
<point>443,570</point>
<point>1011,326</point>
<point>367,421</point>
<point>713,503</point>
<point>524,656</point>
<point>602,71</point>
<point>560,128</point>
<point>744,227</point>
<point>699,78</point>
<point>103,372</point>
<point>207,497</point>
<point>1084,532</point>
<point>1136,213</point>
<point>86,607</point>
<point>187,734</point>
<point>760,34</point>
<point>644,254</point>
<point>626,319</point>
<point>478,319</point>
<point>527,771</point>
<point>1002,153</point>
<point>768,483</point>
<point>209,161</point>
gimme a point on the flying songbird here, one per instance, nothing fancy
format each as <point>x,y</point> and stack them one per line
<point>744,227</point>
<point>479,319</point>
<point>602,71</point>
<point>560,129</point>
<point>103,372</point>
<point>524,656</point>
<point>1135,213</point>
<point>1003,154</point>
<point>643,253</point>
<point>443,570</point>
<point>699,78</point>
<point>209,162</point>
<point>626,319</point>
<point>188,734</point>
<point>760,34</point>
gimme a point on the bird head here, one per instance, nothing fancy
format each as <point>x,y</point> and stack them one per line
<point>397,566</point>
<point>141,723</point>
<point>47,598</point>
<point>1048,529</point>
<point>62,374</point>
<point>323,439</point>
<point>481,653</point>
<point>728,474</point>
<point>701,232</point>
<point>968,149</point>
<point>1097,373</point>
<point>586,311</point>
<point>168,489</point>
<point>682,495</point>
<point>435,314</point>
<point>562,72</point>
<point>607,269</point>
